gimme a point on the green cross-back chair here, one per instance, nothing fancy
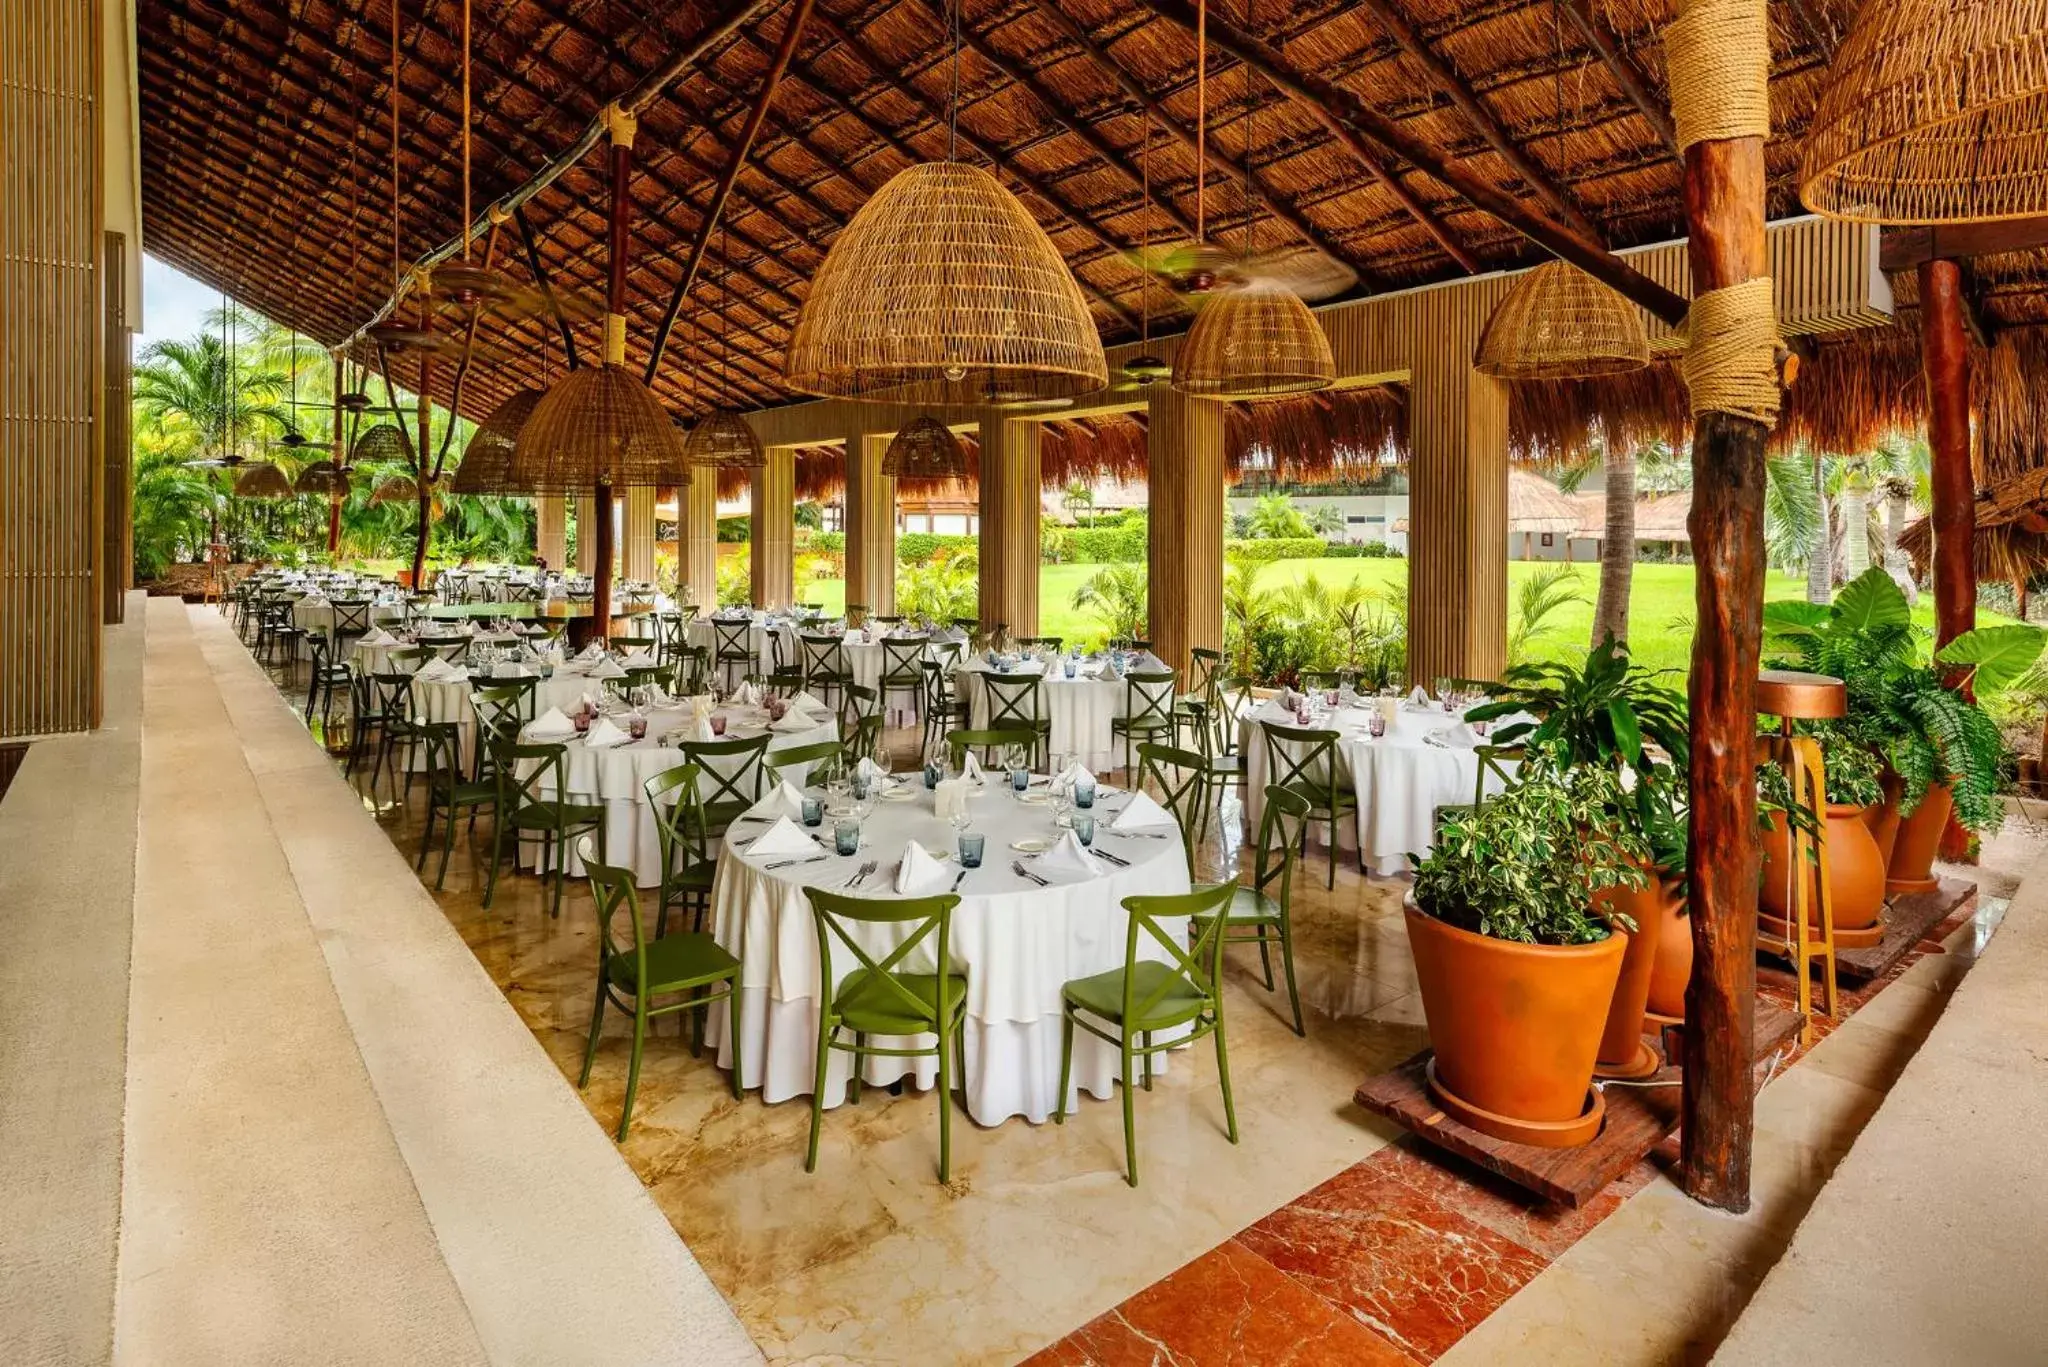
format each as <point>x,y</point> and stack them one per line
<point>1221,770</point>
<point>733,778</point>
<point>735,647</point>
<point>1146,996</point>
<point>785,675</point>
<point>450,794</point>
<point>1256,913</point>
<point>1148,710</point>
<point>1304,761</point>
<point>687,964</point>
<point>687,865</point>
<point>944,709</point>
<point>1017,702</point>
<point>1181,777</point>
<point>826,672</point>
<point>901,658</point>
<point>825,759</point>
<point>878,998</point>
<point>1493,763</point>
<point>536,805</point>
<point>989,742</point>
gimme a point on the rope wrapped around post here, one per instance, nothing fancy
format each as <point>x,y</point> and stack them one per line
<point>1718,55</point>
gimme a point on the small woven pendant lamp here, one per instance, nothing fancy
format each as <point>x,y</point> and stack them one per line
<point>322,477</point>
<point>926,449</point>
<point>261,479</point>
<point>1256,341</point>
<point>1935,111</point>
<point>381,442</point>
<point>486,466</point>
<point>1558,323</point>
<point>396,489</point>
<point>724,441</point>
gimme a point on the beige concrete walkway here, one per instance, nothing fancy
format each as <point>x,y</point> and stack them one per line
<point>340,1144</point>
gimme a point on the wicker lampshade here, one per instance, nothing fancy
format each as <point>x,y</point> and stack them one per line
<point>1559,323</point>
<point>396,489</point>
<point>261,479</point>
<point>1256,341</point>
<point>486,466</point>
<point>321,477</point>
<point>944,289</point>
<point>1935,111</point>
<point>724,441</point>
<point>382,441</point>
<point>926,449</point>
<point>597,425</point>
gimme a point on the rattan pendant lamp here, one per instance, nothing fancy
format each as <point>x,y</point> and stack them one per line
<point>261,479</point>
<point>944,289</point>
<point>722,439</point>
<point>1255,340</point>
<point>1934,111</point>
<point>486,466</point>
<point>926,449</point>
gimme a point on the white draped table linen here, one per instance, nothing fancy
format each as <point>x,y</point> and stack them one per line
<point>1400,778</point>
<point>1080,709</point>
<point>1017,943</point>
<point>703,632</point>
<point>614,777</point>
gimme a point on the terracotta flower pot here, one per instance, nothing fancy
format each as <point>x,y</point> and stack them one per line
<point>1884,817</point>
<point>1855,879</point>
<point>1515,1028</point>
<point>1672,969</point>
<point>1623,1051</point>
<point>1912,863</point>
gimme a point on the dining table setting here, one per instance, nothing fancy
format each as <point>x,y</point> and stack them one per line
<point>1082,696</point>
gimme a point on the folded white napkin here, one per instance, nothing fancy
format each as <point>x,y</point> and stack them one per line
<point>804,702</point>
<point>607,669</point>
<point>920,873</point>
<point>442,671</point>
<point>1067,860</point>
<point>603,735</point>
<point>871,771</point>
<point>783,800</point>
<point>590,652</point>
<point>1458,737</point>
<point>970,768</point>
<point>510,669</point>
<point>1074,773</point>
<point>746,695</point>
<point>1419,696</point>
<point>702,731</point>
<point>784,837</point>
<point>1141,813</point>
<point>636,659</point>
<point>377,636</point>
<point>551,725</point>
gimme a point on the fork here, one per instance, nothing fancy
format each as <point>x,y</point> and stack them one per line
<point>861,876</point>
<point>807,859</point>
<point>1017,866</point>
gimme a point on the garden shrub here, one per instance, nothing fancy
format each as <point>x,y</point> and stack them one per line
<point>1260,550</point>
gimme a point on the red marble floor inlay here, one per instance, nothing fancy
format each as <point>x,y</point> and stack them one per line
<point>1499,1204</point>
<point>1227,1308</point>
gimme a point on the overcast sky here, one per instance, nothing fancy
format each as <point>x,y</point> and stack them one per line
<point>173,304</point>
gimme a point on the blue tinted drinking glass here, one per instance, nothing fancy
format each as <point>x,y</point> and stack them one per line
<point>1084,827</point>
<point>814,811</point>
<point>1084,793</point>
<point>846,837</point>
<point>1020,778</point>
<point>971,845</point>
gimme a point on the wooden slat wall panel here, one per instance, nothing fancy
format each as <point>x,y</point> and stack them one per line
<point>1010,512</point>
<point>774,530</point>
<point>699,569</point>
<point>1184,449</point>
<point>117,435</point>
<point>51,538</point>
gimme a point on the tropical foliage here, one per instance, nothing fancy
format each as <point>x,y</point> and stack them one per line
<point>1116,594</point>
<point>1273,635</point>
<point>945,587</point>
<point>1538,599</point>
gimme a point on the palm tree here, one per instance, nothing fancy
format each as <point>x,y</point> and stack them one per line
<point>1077,497</point>
<point>1820,551</point>
<point>1327,521</point>
<point>1117,593</point>
<point>1275,517</point>
<point>1541,594</point>
<point>1790,511</point>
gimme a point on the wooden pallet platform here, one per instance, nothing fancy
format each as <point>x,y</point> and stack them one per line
<point>1638,1119</point>
<point>1907,919</point>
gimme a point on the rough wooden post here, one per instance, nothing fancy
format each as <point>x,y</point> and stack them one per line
<point>1718,55</point>
<point>1945,359</point>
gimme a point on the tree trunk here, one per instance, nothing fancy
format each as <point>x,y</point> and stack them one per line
<point>1820,558</point>
<point>1855,529</point>
<point>1617,550</point>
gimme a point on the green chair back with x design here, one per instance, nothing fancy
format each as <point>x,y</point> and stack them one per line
<point>689,966</point>
<point>734,643</point>
<point>821,761</point>
<point>1017,702</point>
<point>989,743</point>
<point>1127,1007</point>
<point>1263,913</point>
<point>901,658</point>
<point>786,674</point>
<point>671,633</point>
<point>503,705</point>
<point>734,776</point>
<point>825,668</point>
<point>453,649</point>
<point>1181,776</point>
<point>680,831</point>
<point>692,667</point>
<point>880,998</point>
<point>1303,760</point>
<point>943,708</point>
<point>533,800</point>
<point>1148,710</point>
<point>450,792</point>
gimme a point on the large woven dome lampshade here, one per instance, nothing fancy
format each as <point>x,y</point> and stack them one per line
<point>724,441</point>
<point>486,466</point>
<point>261,479</point>
<point>1559,323</point>
<point>1256,341</point>
<point>1934,111</point>
<point>322,477</point>
<point>926,449</point>
<point>944,289</point>
<point>597,425</point>
<point>382,441</point>
<point>396,489</point>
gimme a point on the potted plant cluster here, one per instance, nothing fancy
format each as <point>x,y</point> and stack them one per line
<point>1856,867</point>
<point>1612,715</point>
<point>1920,715</point>
<point>1515,956</point>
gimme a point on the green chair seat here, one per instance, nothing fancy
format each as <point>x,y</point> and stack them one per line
<point>866,1003</point>
<point>1321,799</point>
<point>1178,1001</point>
<point>1248,906</point>
<point>676,961</point>
<point>548,815</point>
<point>469,794</point>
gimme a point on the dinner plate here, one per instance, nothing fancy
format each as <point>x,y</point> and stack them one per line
<point>900,795</point>
<point>1031,844</point>
<point>1035,796</point>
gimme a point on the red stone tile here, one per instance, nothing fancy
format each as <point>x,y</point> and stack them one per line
<point>1227,1308</point>
<point>1537,1225</point>
<point>1400,1261</point>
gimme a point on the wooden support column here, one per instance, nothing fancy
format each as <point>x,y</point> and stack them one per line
<point>697,569</point>
<point>870,524</point>
<point>1457,508</point>
<point>1009,523</point>
<point>1184,482</point>
<point>117,522</point>
<point>338,453</point>
<point>638,538</point>
<point>586,533</point>
<point>1945,359</point>
<point>551,530</point>
<point>774,533</point>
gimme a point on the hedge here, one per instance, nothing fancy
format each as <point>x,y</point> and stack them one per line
<point>1264,548</point>
<point>918,548</point>
<point>1363,550</point>
<point>1122,544</point>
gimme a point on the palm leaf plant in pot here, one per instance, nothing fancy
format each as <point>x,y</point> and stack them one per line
<point>1515,959</point>
<point>1613,715</point>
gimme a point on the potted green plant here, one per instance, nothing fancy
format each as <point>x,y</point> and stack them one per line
<point>1613,715</point>
<point>1855,866</point>
<point>1516,961</point>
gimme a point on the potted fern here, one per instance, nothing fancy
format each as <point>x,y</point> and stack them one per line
<point>1515,958</point>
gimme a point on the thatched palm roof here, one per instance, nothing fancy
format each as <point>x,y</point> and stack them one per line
<point>1537,505</point>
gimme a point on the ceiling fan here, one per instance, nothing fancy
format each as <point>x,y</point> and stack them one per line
<point>1194,270</point>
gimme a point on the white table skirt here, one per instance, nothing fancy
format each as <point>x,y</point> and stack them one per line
<point>703,632</point>
<point>1400,779</point>
<point>1081,710</point>
<point>1017,943</point>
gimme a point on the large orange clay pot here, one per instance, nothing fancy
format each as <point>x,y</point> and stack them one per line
<point>1515,1028</point>
<point>1672,970</point>
<point>1855,878</point>
<point>1883,819</point>
<point>1912,862</point>
<point>1623,1051</point>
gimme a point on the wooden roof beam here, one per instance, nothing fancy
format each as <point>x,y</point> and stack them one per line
<point>1633,80</point>
<point>1902,249</point>
<point>1479,116</point>
<point>1355,124</point>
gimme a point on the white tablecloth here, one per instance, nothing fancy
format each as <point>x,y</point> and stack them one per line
<point>614,777</point>
<point>703,632</point>
<point>1400,779</point>
<point>1016,942</point>
<point>1080,709</point>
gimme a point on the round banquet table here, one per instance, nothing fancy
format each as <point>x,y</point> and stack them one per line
<point>315,616</point>
<point>1400,778</point>
<point>450,698</point>
<point>1017,943</point>
<point>1080,709</point>
<point>614,776</point>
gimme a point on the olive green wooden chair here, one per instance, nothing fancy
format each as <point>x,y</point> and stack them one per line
<point>877,998</point>
<point>733,779</point>
<point>902,657</point>
<point>825,758</point>
<point>735,649</point>
<point>1304,761</point>
<point>1149,704</point>
<point>1221,770</point>
<point>687,865</point>
<point>535,805</point>
<point>1136,1002</point>
<point>1017,702</point>
<point>450,794</point>
<point>944,708</point>
<point>1181,776</point>
<point>826,672</point>
<point>988,742</point>
<point>786,675</point>
<point>1263,913</point>
<point>688,965</point>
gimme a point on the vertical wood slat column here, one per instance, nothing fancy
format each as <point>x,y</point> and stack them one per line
<point>1457,511</point>
<point>774,530</point>
<point>698,567</point>
<point>117,454</point>
<point>551,530</point>
<point>52,473</point>
<point>586,514</point>
<point>870,524</point>
<point>637,555</point>
<point>1184,480</point>
<point>1010,512</point>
